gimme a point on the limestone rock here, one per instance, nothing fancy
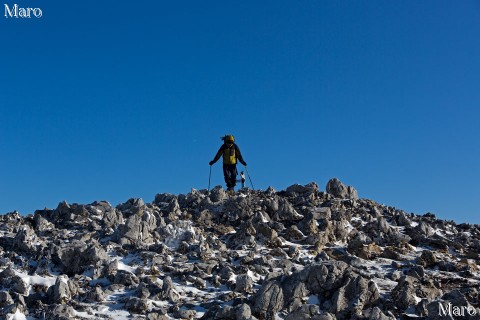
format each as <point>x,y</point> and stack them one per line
<point>63,290</point>
<point>427,259</point>
<point>306,311</point>
<point>336,188</point>
<point>77,256</point>
<point>405,292</point>
<point>138,229</point>
<point>244,284</point>
<point>136,305</point>
<point>217,194</point>
<point>5,299</point>
<point>269,300</point>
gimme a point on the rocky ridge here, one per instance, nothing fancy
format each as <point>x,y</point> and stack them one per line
<point>296,254</point>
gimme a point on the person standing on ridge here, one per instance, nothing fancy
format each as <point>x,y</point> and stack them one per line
<point>230,153</point>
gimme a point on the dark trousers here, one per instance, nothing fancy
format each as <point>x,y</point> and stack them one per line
<point>230,174</point>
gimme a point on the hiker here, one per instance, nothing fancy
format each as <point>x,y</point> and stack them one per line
<point>230,153</point>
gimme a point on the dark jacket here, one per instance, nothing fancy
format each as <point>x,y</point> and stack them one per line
<point>230,155</point>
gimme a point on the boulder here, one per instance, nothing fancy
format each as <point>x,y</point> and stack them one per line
<point>404,294</point>
<point>26,240</point>
<point>136,305</point>
<point>168,290</point>
<point>18,285</point>
<point>5,299</point>
<point>299,189</point>
<point>243,312</point>
<point>60,312</point>
<point>244,284</point>
<point>377,314</point>
<point>96,294</point>
<point>138,229</point>
<point>63,290</point>
<point>131,206</point>
<point>280,209</point>
<point>111,217</point>
<point>305,312</point>
<point>9,279</point>
<point>75,257</point>
<point>355,295</point>
<point>126,278</point>
<point>427,259</point>
<point>269,300</point>
<point>336,188</point>
<point>217,194</point>
<point>325,276</point>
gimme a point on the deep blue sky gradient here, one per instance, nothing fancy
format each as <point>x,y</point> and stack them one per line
<point>109,100</point>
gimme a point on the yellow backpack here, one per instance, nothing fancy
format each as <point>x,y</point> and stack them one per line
<point>229,156</point>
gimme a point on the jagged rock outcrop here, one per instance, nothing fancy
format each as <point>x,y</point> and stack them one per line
<point>336,188</point>
<point>342,291</point>
<point>139,225</point>
<point>269,300</point>
<point>77,256</point>
<point>301,253</point>
<point>63,290</point>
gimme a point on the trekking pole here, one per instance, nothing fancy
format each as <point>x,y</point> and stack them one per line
<point>209,176</point>
<point>248,174</point>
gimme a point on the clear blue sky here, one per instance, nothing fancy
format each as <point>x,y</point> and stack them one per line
<point>109,100</point>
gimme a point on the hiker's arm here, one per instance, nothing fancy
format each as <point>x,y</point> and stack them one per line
<point>240,157</point>
<point>217,156</point>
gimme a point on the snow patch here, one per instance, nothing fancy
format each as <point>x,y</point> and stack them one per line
<point>17,316</point>
<point>177,232</point>
<point>45,281</point>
